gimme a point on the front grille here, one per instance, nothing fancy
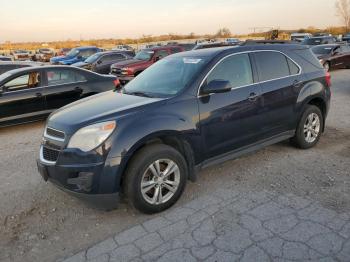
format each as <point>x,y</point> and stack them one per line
<point>55,133</point>
<point>50,154</point>
<point>117,71</point>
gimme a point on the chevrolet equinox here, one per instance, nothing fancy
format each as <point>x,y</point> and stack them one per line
<point>186,112</point>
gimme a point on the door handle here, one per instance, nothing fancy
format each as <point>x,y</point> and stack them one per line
<point>38,94</point>
<point>253,97</point>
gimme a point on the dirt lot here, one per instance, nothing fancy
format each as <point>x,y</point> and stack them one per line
<point>40,223</point>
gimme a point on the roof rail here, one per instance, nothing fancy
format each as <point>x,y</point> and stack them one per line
<point>265,42</point>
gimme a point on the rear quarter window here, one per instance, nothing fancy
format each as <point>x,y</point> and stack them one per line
<point>271,65</point>
<point>308,58</point>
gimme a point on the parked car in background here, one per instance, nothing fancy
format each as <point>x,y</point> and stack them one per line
<point>333,56</point>
<point>210,45</point>
<point>123,48</point>
<point>346,38</point>
<point>233,41</point>
<point>186,46</point>
<point>129,69</point>
<point>101,62</point>
<point>43,55</point>
<point>20,55</point>
<point>299,37</point>
<point>186,112</point>
<point>78,54</point>
<point>30,94</point>
<point>11,65</point>
<point>63,51</point>
<point>5,58</point>
<point>322,40</point>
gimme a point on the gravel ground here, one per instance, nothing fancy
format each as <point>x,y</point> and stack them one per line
<point>40,223</point>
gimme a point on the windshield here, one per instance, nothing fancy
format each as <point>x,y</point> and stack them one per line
<point>167,77</point>
<point>92,59</point>
<point>144,55</point>
<point>73,53</point>
<point>322,50</point>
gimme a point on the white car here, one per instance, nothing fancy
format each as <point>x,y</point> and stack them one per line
<point>21,55</point>
<point>299,37</point>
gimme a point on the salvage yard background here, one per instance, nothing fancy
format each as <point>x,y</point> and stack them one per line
<point>40,223</point>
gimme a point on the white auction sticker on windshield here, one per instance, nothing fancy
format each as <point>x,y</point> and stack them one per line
<point>192,60</point>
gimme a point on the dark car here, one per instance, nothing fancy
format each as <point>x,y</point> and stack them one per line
<point>30,94</point>
<point>346,38</point>
<point>101,62</point>
<point>333,56</point>
<point>11,65</point>
<point>129,69</point>
<point>78,54</point>
<point>210,45</point>
<point>321,40</point>
<point>5,58</point>
<point>186,112</point>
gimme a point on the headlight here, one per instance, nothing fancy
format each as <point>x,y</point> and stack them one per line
<point>90,137</point>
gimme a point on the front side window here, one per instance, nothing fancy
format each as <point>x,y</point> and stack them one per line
<point>59,77</point>
<point>272,65</point>
<point>26,81</point>
<point>236,69</point>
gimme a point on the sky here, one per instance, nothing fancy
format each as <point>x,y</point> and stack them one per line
<point>50,20</point>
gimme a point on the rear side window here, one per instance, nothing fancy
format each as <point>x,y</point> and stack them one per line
<point>60,77</point>
<point>236,69</point>
<point>274,65</point>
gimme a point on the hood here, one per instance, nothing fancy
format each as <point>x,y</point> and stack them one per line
<point>69,61</point>
<point>57,59</point>
<point>80,64</point>
<point>97,108</point>
<point>130,63</point>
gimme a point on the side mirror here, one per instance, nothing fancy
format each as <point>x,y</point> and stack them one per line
<point>1,90</point>
<point>157,58</point>
<point>216,86</point>
<point>99,62</point>
<point>79,57</point>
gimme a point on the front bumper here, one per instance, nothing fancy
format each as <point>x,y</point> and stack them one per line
<point>84,176</point>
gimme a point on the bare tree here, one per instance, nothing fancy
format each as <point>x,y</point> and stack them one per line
<point>343,11</point>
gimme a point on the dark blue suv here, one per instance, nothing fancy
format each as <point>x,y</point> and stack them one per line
<point>186,112</point>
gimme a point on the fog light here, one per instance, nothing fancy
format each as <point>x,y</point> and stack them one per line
<point>83,181</point>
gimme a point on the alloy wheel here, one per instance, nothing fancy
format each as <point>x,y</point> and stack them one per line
<point>312,128</point>
<point>160,181</point>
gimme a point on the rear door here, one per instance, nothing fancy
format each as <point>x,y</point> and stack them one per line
<point>280,80</point>
<point>22,97</point>
<point>63,86</point>
<point>230,120</point>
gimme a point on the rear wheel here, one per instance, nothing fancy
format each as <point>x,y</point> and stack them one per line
<point>309,128</point>
<point>155,178</point>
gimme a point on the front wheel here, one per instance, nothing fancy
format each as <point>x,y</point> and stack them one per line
<point>155,178</point>
<point>309,129</point>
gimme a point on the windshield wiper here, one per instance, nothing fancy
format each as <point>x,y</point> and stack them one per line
<point>138,93</point>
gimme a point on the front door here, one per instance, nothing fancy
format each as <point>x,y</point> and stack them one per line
<point>22,97</point>
<point>230,120</point>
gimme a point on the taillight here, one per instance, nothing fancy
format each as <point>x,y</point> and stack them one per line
<point>116,83</point>
<point>328,79</point>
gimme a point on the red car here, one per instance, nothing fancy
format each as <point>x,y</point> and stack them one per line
<point>128,69</point>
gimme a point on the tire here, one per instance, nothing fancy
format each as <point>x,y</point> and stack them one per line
<point>327,66</point>
<point>141,171</point>
<point>309,131</point>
